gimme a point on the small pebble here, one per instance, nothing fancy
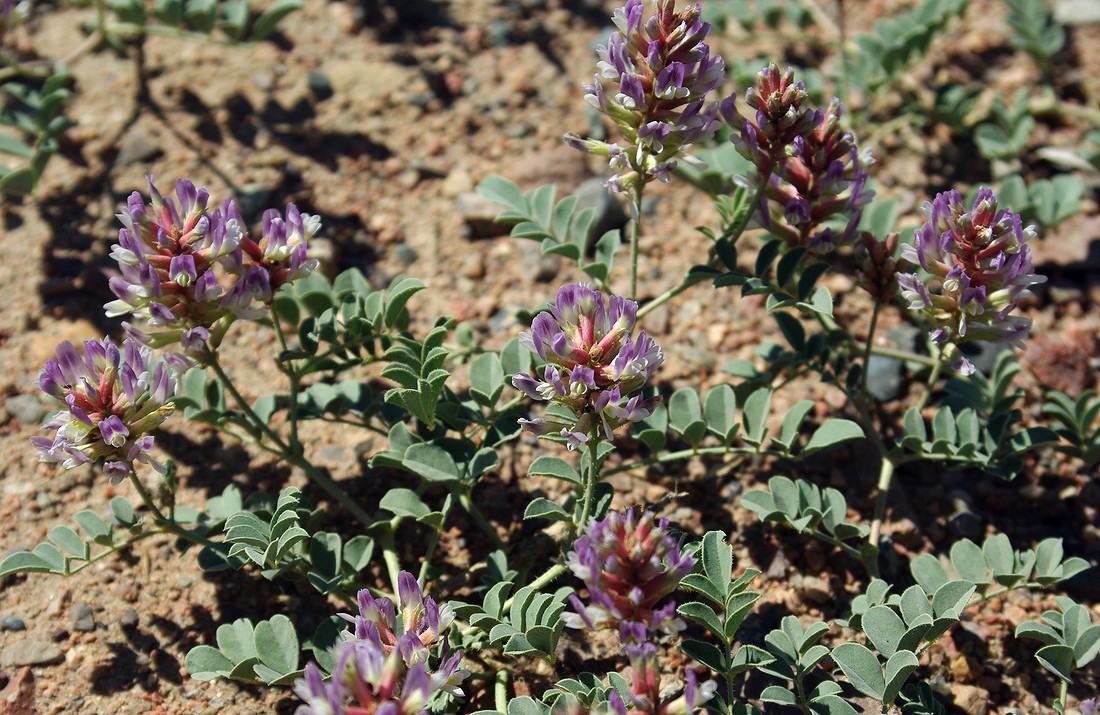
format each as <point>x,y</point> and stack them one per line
<point>129,618</point>
<point>81,617</point>
<point>12,623</point>
<point>30,651</point>
<point>27,409</point>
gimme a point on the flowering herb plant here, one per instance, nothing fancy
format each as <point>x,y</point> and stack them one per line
<point>590,399</point>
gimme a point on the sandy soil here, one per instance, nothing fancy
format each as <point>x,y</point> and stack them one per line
<point>427,99</point>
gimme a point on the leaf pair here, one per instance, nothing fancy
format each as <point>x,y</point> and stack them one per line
<point>65,552</point>
<point>265,653</point>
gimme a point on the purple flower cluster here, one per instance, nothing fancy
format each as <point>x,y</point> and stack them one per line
<point>645,687</point>
<point>382,666</point>
<point>593,365</point>
<point>982,264</point>
<point>629,562</point>
<point>659,73</point>
<point>185,267</point>
<point>113,399</point>
<point>815,172</point>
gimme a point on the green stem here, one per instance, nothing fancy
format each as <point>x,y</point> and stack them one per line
<point>115,549</point>
<point>292,375</point>
<point>886,472</point>
<point>163,522</point>
<point>590,482</point>
<point>546,578</point>
<point>389,554</point>
<point>434,540</point>
<point>687,454</point>
<point>842,49</point>
<point>500,690</point>
<point>867,350</point>
<point>885,476</point>
<point>635,235</point>
<point>903,355</point>
<point>479,519</point>
<point>290,455</point>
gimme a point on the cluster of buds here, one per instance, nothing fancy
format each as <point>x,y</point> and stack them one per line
<point>645,687</point>
<point>629,562</point>
<point>815,173</point>
<point>188,271</point>
<point>659,73</point>
<point>594,368</point>
<point>383,664</point>
<point>113,399</point>
<point>878,265</point>
<point>982,263</point>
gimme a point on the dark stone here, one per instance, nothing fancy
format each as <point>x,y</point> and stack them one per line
<point>81,617</point>
<point>12,623</point>
<point>319,86</point>
<point>884,378</point>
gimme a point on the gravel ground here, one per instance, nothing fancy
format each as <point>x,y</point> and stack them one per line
<point>382,118</point>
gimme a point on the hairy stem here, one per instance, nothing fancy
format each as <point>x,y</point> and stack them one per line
<point>886,472</point>
<point>590,482</point>
<point>389,554</point>
<point>291,455</point>
<point>162,522</point>
<point>479,519</point>
<point>500,690</point>
<point>295,379</point>
<point>635,235</point>
<point>546,578</point>
<point>433,541</point>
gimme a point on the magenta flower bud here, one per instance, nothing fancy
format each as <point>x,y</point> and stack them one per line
<point>813,170</point>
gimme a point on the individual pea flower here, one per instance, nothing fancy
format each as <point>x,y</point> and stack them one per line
<point>384,663</point>
<point>659,73</point>
<point>814,172</point>
<point>629,562</point>
<point>421,616</point>
<point>593,367</point>
<point>645,687</point>
<point>1088,707</point>
<point>981,266</point>
<point>113,399</point>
